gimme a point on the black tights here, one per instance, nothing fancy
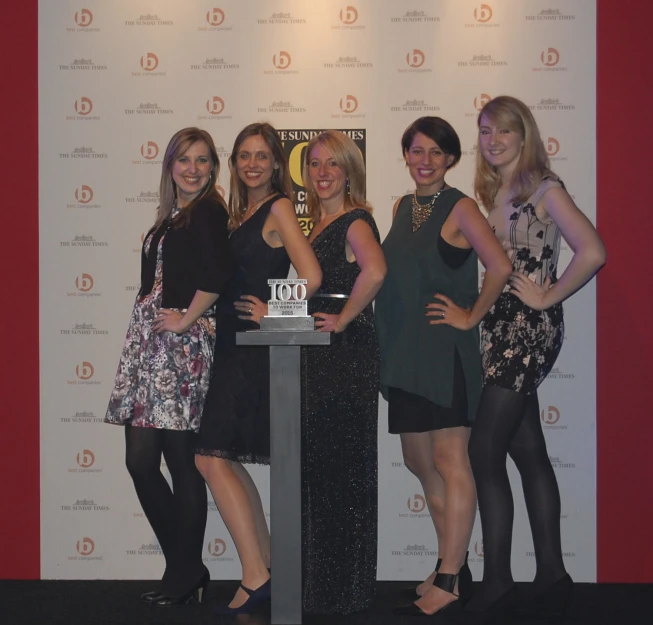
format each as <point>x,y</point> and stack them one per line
<point>508,422</point>
<point>177,515</point>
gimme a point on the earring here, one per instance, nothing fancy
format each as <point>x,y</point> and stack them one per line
<point>347,187</point>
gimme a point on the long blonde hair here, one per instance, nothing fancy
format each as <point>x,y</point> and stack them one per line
<point>279,183</point>
<point>533,164</point>
<point>347,155</point>
<point>181,141</point>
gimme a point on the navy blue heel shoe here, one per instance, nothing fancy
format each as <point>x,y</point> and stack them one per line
<point>256,599</point>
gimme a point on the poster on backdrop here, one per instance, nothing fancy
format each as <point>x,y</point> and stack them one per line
<point>368,68</point>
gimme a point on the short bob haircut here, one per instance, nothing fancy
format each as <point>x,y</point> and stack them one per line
<point>533,164</point>
<point>347,156</point>
<point>438,130</point>
<point>181,141</point>
<point>279,183</point>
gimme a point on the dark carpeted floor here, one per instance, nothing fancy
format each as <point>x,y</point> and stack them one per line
<point>117,603</point>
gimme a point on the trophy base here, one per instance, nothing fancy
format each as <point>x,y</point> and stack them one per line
<point>289,323</point>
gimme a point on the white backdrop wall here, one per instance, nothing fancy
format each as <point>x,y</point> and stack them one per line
<point>117,78</point>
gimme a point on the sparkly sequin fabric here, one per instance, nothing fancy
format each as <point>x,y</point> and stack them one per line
<point>339,443</point>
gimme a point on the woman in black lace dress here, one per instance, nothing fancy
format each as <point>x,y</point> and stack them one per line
<point>341,385</point>
<point>266,238</point>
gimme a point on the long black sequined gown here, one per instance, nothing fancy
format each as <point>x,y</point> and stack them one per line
<point>339,443</point>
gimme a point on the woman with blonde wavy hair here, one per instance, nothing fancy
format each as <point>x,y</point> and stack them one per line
<point>529,211</point>
<point>341,384</point>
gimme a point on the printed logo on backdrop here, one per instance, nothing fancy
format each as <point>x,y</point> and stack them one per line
<point>348,62</point>
<point>483,17</point>
<point>83,106</point>
<point>149,64</point>
<point>414,551</point>
<point>83,241</point>
<point>551,419</point>
<point>558,374</point>
<point>85,505</point>
<point>415,106</point>
<point>560,463</point>
<point>83,19</point>
<point>348,19</point>
<point>85,548</point>
<point>478,554</point>
<point>84,329</point>
<point>550,61</point>
<point>550,15</point>
<point>215,107</point>
<point>84,196</point>
<point>84,375</point>
<point>482,60</point>
<point>294,144</point>
<point>144,197</point>
<point>551,104</point>
<point>149,108</point>
<point>83,152</point>
<point>552,146</point>
<point>85,461</point>
<point>281,106</point>
<point>393,199</point>
<point>416,505</point>
<point>84,284</point>
<point>414,17</point>
<point>470,151</point>
<point>149,19</point>
<point>281,61</point>
<point>149,151</point>
<point>414,62</point>
<point>82,417</point>
<point>215,18</point>
<point>214,63</point>
<point>82,65</point>
<point>216,549</point>
<point>349,108</point>
<point>281,18</point>
<point>565,554</point>
<point>151,549</point>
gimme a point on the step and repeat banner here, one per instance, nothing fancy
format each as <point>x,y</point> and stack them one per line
<point>117,78</point>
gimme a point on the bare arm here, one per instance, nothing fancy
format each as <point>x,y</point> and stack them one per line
<point>589,254</point>
<point>369,257</point>
<point>477,232</point>
<point>167,320</point>
<point>395,207</point>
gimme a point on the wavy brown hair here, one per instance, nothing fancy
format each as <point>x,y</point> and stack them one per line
<point>533,164</point>
<point>346,155</point>
<point>280,181</point>
<point>181,141</point>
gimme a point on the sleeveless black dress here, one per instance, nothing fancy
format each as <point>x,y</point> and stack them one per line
<point>339,442</point>
<point>236,418</point>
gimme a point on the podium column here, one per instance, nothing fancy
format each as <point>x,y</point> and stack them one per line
<point>285,465</point>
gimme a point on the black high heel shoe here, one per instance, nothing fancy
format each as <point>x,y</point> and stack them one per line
<point>196,593</point>
<point>411,591</point>
<point>550,602</point>
<point>465,582</point>
<point>444,581</point>
<point>256,599</point>
<point>500,612</point>
<point>150,596</point>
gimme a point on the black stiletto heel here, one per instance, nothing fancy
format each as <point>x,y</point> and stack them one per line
<point>196,593</point>
<point>465,583</point>
<point>444,581</point>
<point>150,596</point>
<point>551,602</point>
<point>411,591</point>
<point>256,598</point>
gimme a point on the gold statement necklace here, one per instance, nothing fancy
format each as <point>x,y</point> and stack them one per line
<point>421,212</point>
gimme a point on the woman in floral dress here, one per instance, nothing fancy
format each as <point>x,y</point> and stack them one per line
<point>529,211</point>
<point>164,370</point>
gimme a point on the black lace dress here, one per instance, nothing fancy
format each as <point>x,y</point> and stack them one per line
<point>339,442</point>
<point>236,419</point>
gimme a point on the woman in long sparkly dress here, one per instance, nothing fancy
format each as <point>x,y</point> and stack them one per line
<point>341,385</point>
<point>164,370</point>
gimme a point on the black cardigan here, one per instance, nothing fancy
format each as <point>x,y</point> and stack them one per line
<point>196,256</point>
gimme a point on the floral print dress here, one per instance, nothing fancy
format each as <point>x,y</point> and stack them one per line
<point>520,345</point>
<point>162,379</point>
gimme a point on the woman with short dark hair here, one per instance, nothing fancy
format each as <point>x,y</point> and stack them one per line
<point>427,316</point>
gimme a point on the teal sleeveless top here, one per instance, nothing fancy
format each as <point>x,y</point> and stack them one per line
<point>415,356</point>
